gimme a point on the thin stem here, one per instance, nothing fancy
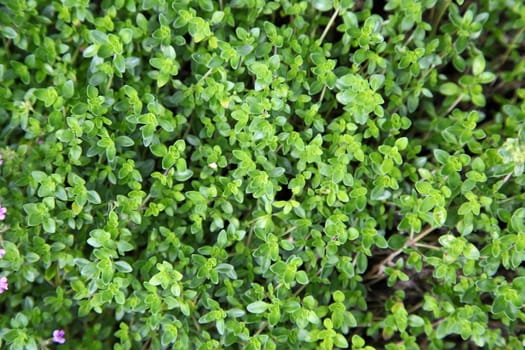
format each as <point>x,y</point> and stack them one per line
<point>298,291</point>
<point>511,46</point>
<point>7,43</point>
<point>435,22</point>
<point>257,218</point>
<point>378,270</point>
<point>455,103</point>
<point>148,197</point>
<point>250,236</point>
<point>422,235</point>
<point>207,74</point>
<point>410,38</point>
<point>58,280</point>
<point>424,245</point>
<point>145,201</point>
<point>507,178</point>
<point>330,23</point>
<point>261,328</point>
<point>195,323</point>
<point>291,229</point>
<point>187,131</point>
<point>438,322</point>
<point>518,196</point>
<point>322,96</point>
<point>415,307</point>
<point>75,54</point>
<point>146,344</point>
<point>432,12</point>
<point>110,81</point>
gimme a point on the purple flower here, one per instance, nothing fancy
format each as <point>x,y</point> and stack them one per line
<point>2,253</point>
<point>3,284</point>
<point>59,336</point>
<point>3,212</point>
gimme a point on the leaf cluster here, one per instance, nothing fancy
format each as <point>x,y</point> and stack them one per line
<point>320,174</point>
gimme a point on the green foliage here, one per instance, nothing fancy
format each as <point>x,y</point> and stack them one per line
<point>252,174</point>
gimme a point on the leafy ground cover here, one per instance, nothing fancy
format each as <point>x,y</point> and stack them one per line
<point>249,174</point>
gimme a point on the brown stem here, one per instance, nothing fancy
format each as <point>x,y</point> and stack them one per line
<point>423,245</point>
<point>378,273</point>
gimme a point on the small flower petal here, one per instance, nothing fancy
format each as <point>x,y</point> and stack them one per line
<point>59,336</point>
<point>3,284</point>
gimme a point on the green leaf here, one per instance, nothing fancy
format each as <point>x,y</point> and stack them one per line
<point>301,277</point>
<point>257,307</point>
<point>478,65</point>
<point>450,89</point>
<point>323,5</point>
<point>441,156</point>
<point>48,95</point>
<point>159,149</point>
<point>199,29</point>
<point>9,32</point>
<point>68,89</point>
<point>227,270</point>
<point>517,220</point>
<point>471,252</point>
<point>123,266</point>
<point>396,241</point>
<point>169,334</point>
<point>93,197</point>
<point>21,71</point>
<point>39,176</point>
<point>376,81</point>
<point>340,341</point>
<point>124,141</point>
